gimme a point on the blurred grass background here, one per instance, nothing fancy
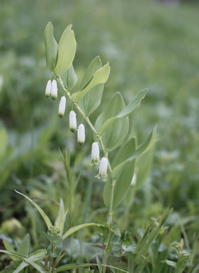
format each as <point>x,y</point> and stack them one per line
<point>149,44</point>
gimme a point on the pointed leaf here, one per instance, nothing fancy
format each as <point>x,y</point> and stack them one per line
<point>66,51</point>
<point>95,65</point>
<point>40,210</point>
<point>129,109</point>
<point>76,228</point>
<point>101,76</point>
<point>51,47</point>
<point>24,246</point>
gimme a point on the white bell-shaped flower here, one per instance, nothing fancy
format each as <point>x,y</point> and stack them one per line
<point>54,90</point>
<point>103,168</point>
<point>48,89</point>
<point>72,121</point>
<point>62,106</point>
<point>134,179</point>
<point>95,153</point>
<point>81,134</point>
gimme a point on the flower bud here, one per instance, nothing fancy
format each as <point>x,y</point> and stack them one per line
<point>48,89</point>
<point>54,90</point>
<point>62,106</point>
<point>95,153</point>
<point>103,168</point>
<point>72,121</point>
<point>81,134</point>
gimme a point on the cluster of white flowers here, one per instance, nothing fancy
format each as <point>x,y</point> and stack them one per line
<point>51,91</point>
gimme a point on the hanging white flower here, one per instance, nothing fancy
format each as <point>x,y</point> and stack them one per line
<point>95,153</point>
<point>103,168</point>
<point>54,90</point>
<point>81,134</point>
<point>72,121</point>
<point>48,89</point>
<point>134,179</point>
<point>62,106</point>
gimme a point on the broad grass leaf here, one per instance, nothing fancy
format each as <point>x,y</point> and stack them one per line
<point>69,78</point>
<point>66,51</point>
<point>65,267</point>
<point>116,133</point>
<point>51,47</point>
<point>100,76</point>
<point>95,65</point>
<point>24,246</point>
<point>92,99</point>
<point>40,210</point>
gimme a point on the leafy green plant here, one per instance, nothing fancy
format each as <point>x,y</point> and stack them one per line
<point>110,133</point>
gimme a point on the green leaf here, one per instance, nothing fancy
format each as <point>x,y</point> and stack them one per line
<point>75,266</point>
<point>35,256</point>
<point>148,237</point>
<point>40,210</point>
<point>101,76</point>
<point>24,246</point>
<point>61,218</point>
<point>9,248</point>
<point>92,99</point>
<point>95,65</point>
<point>3,141</point>
<point>116,133</point>
<point>124,152</point>
<point>124,178</point>
<point>51,47</point>
<point>143,148</point>
<point>66,51</point>
<point>69,78</point>
<point>14,254</point>
<point>129,109</point>
<point>76,228</point>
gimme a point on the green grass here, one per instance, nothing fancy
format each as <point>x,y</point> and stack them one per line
<point>148,44</point>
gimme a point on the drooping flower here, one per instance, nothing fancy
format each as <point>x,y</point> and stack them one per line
<point>48,89</point>
<point>95,153</point>
<point>54,90</point>
<point>134,179</point>
<point>81,134</point>
<point>62,106</point>
<point>103,168</point>
<point>72,121</point>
